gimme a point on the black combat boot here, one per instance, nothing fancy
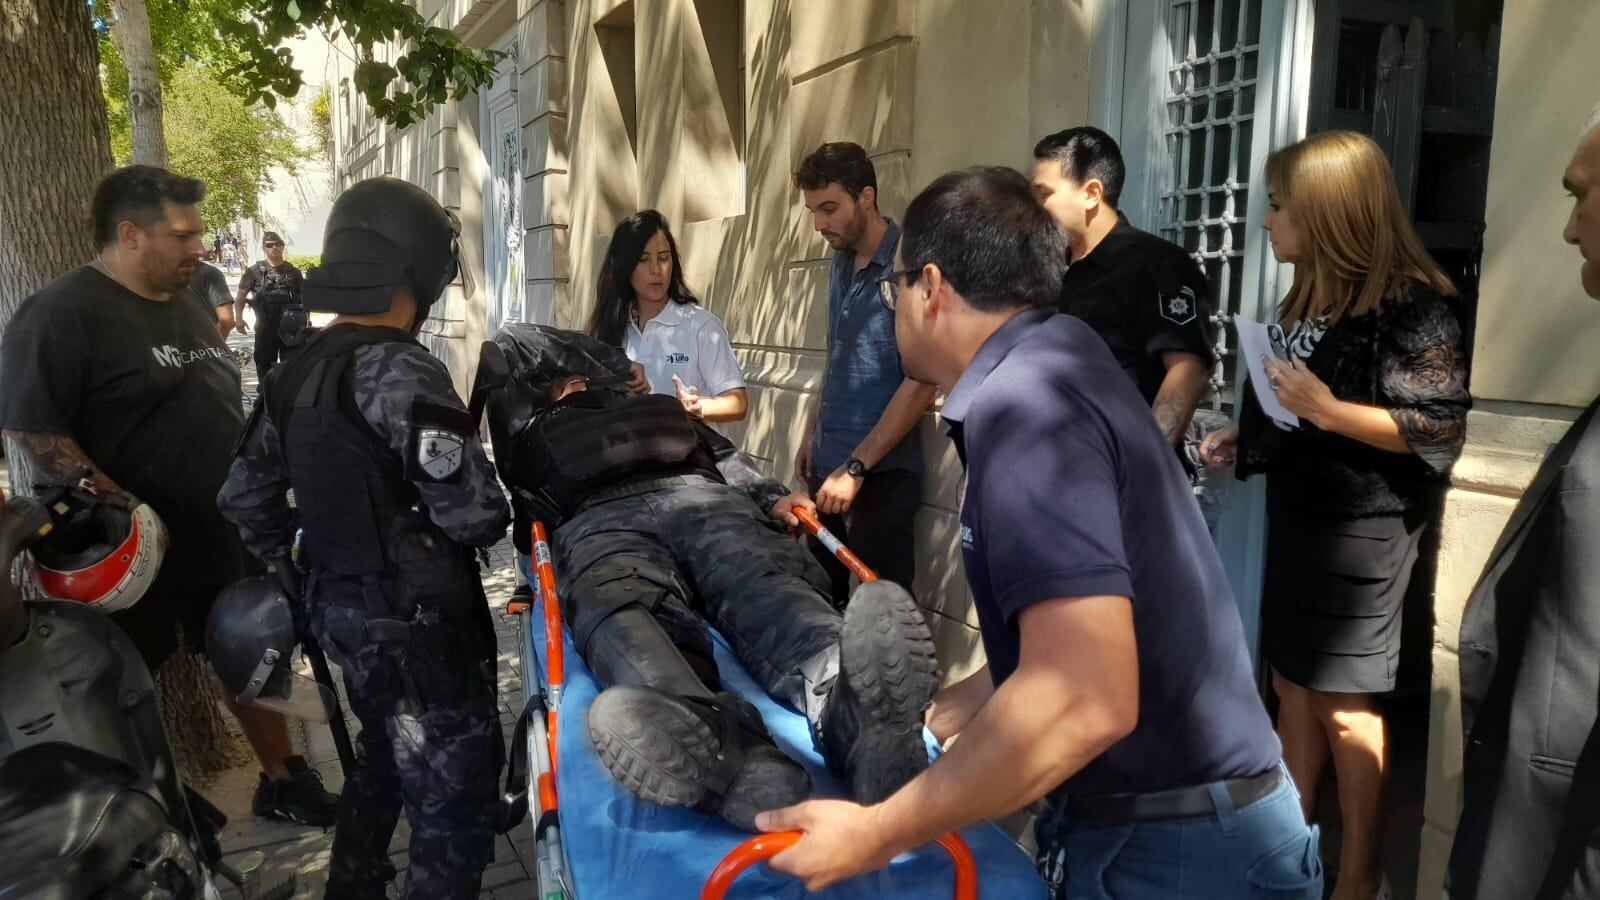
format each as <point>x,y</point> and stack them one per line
<point>714,755</point>
<point>871,728</point>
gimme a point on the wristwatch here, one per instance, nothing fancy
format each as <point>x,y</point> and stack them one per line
<point>855,468</point>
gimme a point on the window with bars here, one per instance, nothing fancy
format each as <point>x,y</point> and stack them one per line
<point>1210,101</point>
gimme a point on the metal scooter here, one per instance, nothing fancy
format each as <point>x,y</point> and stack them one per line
<point>91,804</point>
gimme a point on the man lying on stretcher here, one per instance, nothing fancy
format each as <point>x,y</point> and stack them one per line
<point>659,525</point>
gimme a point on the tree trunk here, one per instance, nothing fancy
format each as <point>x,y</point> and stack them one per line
<point>202,745</point>
<point>54,144</point>
<point>132,34</point>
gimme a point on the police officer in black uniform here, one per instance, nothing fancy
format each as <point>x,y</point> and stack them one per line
<point>392,490</point>
<point>274,287</point>
<point>1145,297</point>
<point>661,525</point>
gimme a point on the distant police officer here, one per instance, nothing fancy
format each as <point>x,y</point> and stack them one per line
<point>275,288</point>
<point>391,488</point>
<point>1144,296</point>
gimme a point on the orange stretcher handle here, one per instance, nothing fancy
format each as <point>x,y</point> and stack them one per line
<point>765,846</point>
<point>840,551</point>
<point>554,660</point>
<point>545,570</point>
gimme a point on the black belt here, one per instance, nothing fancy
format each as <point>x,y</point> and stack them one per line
<point>1162,806</point>
<point>642,486</point>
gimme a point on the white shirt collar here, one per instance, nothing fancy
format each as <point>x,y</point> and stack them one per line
<point>673,315</point>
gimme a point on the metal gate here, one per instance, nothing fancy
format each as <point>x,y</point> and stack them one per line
<point>1198,93</point>
<point>1214,55</point>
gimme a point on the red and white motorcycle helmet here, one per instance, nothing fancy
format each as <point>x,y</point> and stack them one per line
<point>102,551</point>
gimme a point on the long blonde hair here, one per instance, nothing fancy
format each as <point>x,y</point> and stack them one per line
<point>1360,244</point>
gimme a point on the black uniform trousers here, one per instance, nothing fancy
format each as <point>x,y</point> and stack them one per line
<point>438,755</point>
<point>640,572</point>
<point>269,337</point>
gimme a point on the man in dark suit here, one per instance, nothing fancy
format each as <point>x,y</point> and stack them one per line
<point>1530,658</point>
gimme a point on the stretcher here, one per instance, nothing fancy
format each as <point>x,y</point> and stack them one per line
<point>595,840</point>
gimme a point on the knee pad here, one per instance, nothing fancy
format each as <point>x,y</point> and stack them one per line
<point>612,584</point>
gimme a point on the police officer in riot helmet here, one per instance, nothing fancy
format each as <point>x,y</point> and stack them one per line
<point>660,525</point>
<point>392,491</point>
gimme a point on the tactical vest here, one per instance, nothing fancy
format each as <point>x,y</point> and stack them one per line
<point>600,439</point>
<point>360,514</point>
<point>273,286</point>
<point>369,542</point>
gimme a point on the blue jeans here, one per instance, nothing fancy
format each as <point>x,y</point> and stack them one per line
<point>1264,850</point>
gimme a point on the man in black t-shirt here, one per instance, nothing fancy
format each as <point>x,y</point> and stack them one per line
<point>273,287</point>
<point>116,370</point>
<point>211,286</point>
<point>1145,297</point>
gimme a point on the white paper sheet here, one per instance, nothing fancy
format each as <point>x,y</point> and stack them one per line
<point>1254,344</point>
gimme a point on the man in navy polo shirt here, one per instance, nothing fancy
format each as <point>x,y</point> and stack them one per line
<point>1117,671</point>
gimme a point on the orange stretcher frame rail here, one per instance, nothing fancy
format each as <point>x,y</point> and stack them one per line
<point>762,846</point>
<point>835,546</point>
<point>765,846</point>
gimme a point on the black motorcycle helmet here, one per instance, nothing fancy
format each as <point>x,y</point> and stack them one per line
<point>382,233</point>
<point>537,355</point>
<point>250,638</point>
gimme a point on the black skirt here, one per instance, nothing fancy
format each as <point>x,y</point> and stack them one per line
<point>1330,606</point>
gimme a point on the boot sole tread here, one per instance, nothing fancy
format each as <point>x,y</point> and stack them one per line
<point>887,654</point>
<point>661,750</point>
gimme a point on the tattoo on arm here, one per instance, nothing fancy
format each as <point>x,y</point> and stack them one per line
<point>1172,415</point>
<point>52,459</point>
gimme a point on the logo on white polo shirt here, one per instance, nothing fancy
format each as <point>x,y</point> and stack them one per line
<point>677,359</point>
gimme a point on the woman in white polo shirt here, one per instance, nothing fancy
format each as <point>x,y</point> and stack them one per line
<point>643,307</point>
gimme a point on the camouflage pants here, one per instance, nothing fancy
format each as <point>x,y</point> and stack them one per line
<point>642,574</point>
<point>439,760</point>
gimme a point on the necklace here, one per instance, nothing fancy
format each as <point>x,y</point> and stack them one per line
<point>105,267</point>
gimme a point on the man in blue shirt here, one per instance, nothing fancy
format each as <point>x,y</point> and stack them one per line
<point>860,460</point>
<point>1117,674</point>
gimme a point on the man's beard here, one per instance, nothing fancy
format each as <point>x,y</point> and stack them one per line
<point>850,238</point>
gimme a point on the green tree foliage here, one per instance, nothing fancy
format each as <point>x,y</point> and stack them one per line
<point>181,32</point>
<point>322,118</point>
<point>432,66</point>
<point>212,135</point>
<point>245,43</point>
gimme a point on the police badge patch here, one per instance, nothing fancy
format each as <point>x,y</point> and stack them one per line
<point>439,453</point>
<point>437,448</point>
<point>1179,308</point>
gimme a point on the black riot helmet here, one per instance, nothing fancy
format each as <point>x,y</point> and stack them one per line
<point>382,233</point>
<point>537,355</point>
<point>250,638</point>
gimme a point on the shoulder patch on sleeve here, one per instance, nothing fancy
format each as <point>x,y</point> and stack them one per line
<point>436,447</point>
<point>1178,306</point>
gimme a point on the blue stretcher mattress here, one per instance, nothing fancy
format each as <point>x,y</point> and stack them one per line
<point>620,846</point>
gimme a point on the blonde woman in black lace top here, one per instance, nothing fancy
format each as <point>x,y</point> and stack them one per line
<point>1372,363</point>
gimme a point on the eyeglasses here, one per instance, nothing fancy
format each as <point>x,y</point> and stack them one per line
<point>889,286</point>
<point>270,244</point>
